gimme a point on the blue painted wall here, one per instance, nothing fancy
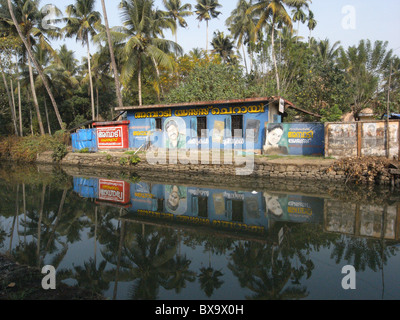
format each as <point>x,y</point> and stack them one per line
<point>230,209</point>
<point>142,127</point>
<point>297,139</point>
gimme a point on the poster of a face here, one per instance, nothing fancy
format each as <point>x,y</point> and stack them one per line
<point>272,205</point>
<point>274,141</point>
<point>175,130</point>
<point>176,199</point>
<point>370,130</point>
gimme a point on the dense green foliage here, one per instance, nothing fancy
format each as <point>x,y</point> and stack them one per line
<point>261,55</point>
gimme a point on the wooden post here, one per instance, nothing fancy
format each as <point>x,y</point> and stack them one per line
<point>387,115</point>
<point>326,139</point>
<point>359,138</point>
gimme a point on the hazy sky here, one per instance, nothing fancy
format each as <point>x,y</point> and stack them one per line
<point>347,21</point>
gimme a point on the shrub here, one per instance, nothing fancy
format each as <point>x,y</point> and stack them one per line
<point>59,152</point>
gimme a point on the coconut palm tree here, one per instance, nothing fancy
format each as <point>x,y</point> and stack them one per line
<point>29,29</point>
<point>241,25</point>
<point>223,45</point>
<point>275,12</point>
<point>298,14</point>
<point>206,10</point>
<point>178,12</point>
<point>312,23</point>
<point>81,23</point>
<point>142,27</point>
<point>112,56</point>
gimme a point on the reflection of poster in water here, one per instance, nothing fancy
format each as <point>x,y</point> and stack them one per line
<point>340,217</point>
<point>114,191</point>
<point>254,127</point>
<point>370,222</point>
<point>219,203</point>
<point>218,131</point>
<point>293,208</point>
<point>252,208</point>
<point>175,130</point>
<point>176,199</point>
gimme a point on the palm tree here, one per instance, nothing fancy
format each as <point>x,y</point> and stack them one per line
<point>365,66</point>
<point>143,25</point>
<point>298,13</point>
<point>81,22</point>
<point>206,10</point>
<point>241,25</point>
<point>275,11</point>
<point>178,12</point>
<point>223,46</point>
<point>114,64</point>
<point>312,23</point>
<point>29,14</point>
<point>325,51</point>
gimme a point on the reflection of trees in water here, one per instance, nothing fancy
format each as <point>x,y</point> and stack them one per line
<point>258,269</point>
<point>362,253</point>
<point>149,256</point>
<point>275,272</point>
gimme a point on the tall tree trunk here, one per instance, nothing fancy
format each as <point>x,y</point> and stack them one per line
<point>140,80</point>
<point>245,60</point>
<point>113,62</point>
<point>97,103</point>
<point>274,58</point>
<point>7,91</point>
<point>207,38</point>
<point>90,79</point>
<point>37,66</point>
<point>35,101</point>
<point>14,111</point>
<point>158,78</point>
<point>47,116</point>
<point>30,116</point>
<point>21,133</point>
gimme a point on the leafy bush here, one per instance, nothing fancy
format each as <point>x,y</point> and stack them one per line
<point>59,152</point>
<point>133,160</point>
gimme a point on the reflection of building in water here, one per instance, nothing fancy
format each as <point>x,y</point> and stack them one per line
<point>362,220</point>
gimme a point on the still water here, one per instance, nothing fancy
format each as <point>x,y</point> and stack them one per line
<point>132,237</point>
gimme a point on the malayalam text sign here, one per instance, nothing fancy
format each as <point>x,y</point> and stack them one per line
<point>110,138</point>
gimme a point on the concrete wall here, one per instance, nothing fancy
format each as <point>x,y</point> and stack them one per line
<point>366,138</point>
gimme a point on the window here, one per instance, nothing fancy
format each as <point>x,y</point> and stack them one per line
<point>237,124</point>
<point>203,207</point>
<point>201,125</point>
<point>237,210</point>
<point>158,124</point>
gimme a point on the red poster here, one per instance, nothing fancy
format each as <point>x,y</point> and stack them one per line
<point>114,191</point>
<point>110,138</point>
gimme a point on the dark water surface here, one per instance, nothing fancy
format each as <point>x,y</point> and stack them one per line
<point>152,237</point>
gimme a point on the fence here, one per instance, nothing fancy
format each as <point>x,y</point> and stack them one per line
<point>366,138</point>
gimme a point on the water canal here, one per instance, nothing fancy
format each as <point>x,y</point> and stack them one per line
<point>142,237</point>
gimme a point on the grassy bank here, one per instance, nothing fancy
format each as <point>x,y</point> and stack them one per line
<point>26,149</point>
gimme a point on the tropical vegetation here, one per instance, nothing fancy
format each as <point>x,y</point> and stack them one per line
<point>44,89</point>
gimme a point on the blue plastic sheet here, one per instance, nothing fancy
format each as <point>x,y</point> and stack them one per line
<point>86,188</point>
<point>84,139</point>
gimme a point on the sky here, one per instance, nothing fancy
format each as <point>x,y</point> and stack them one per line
<point>347,21</point>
